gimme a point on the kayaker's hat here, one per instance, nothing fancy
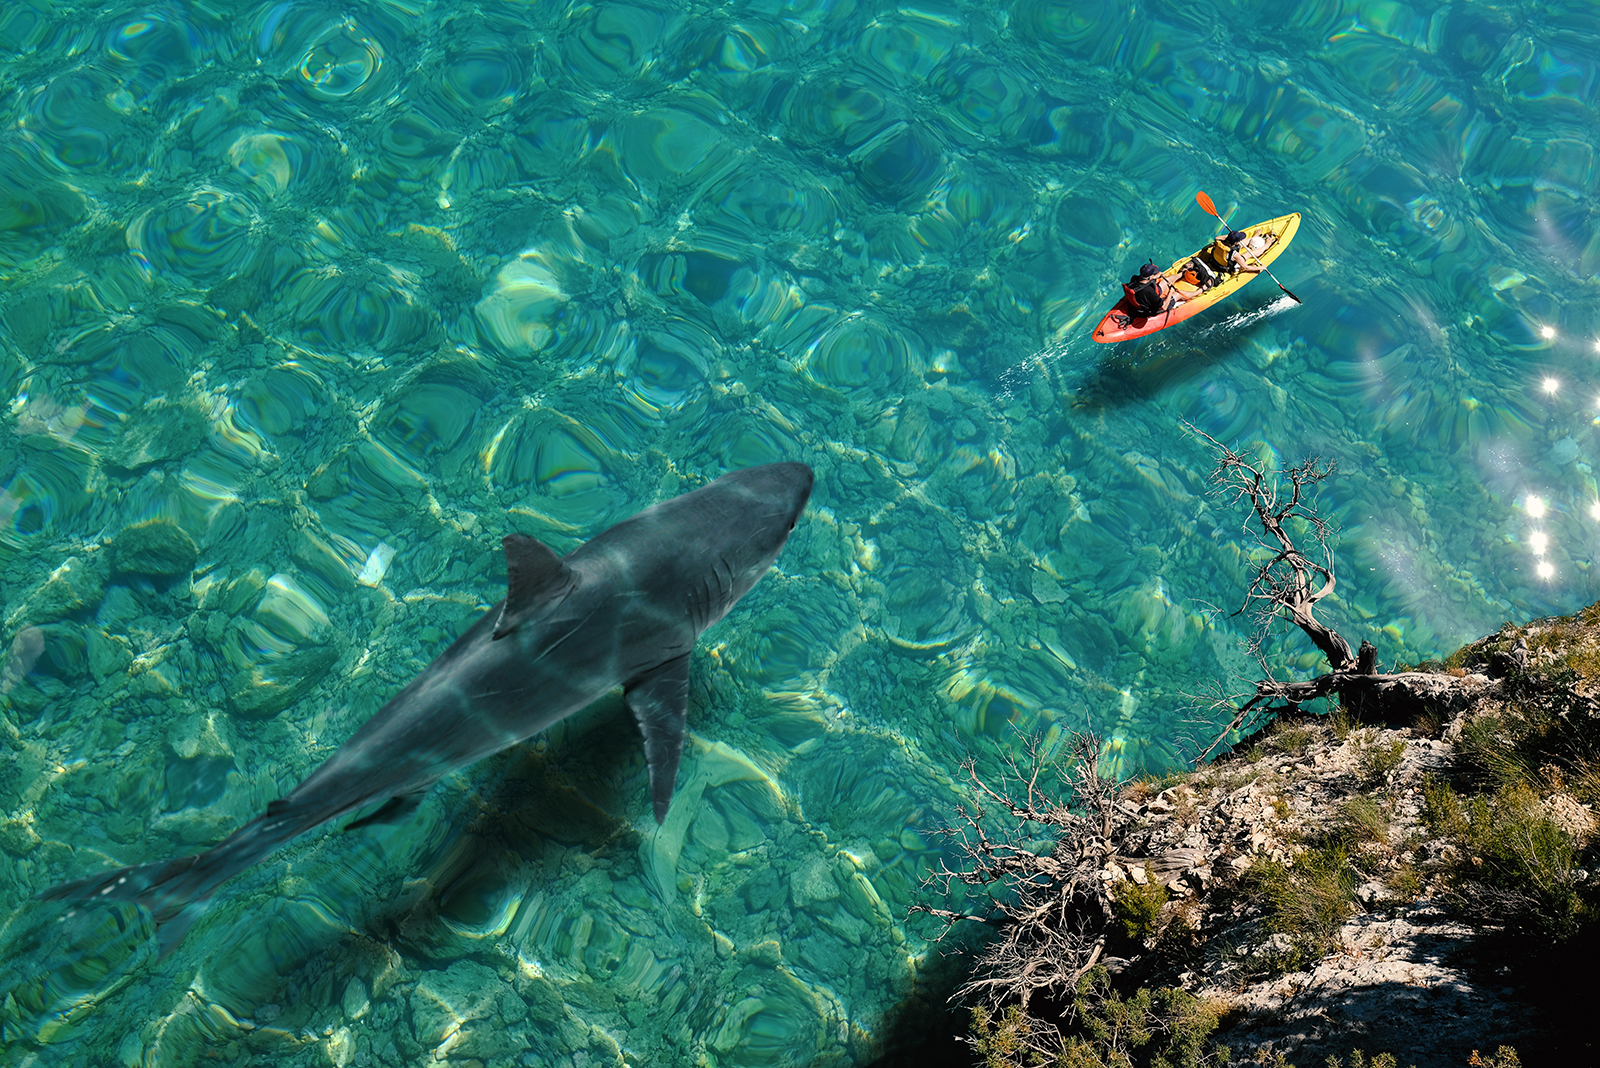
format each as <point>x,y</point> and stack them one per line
<point>1149,269</point>
<point>1236,236</point>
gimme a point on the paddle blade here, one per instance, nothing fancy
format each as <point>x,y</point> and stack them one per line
<point>1204,201</point>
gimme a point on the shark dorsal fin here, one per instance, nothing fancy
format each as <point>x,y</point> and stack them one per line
<point>535,577</point>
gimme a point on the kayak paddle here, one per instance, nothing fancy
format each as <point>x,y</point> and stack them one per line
<point>1205,202</point>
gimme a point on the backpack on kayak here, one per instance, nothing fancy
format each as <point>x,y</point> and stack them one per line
<point>1144,291</point>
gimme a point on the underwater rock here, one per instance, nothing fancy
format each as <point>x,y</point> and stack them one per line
<point>157,547</point>
<point>26,648</point>
<point>158,430</point>
<point>813,883</point>
<point>75,585</point>
<point>17,835</point>
<point>446,1008</point>
<point>256,694</point>
<point>355,1002</point>
<point>1046,590</point>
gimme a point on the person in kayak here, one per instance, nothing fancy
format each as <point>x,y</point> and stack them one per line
<point>1149,292</point>
<point>1231,253</point>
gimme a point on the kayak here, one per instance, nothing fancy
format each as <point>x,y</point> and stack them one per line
<point>1121,324</point>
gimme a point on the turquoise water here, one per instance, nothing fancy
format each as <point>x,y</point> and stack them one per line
<point>303,307</point>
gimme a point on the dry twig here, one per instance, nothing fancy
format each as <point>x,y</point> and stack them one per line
<point>1052,911</point>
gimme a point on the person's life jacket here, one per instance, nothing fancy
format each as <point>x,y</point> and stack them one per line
<point>1218,253</point>
<point>1144,296</point>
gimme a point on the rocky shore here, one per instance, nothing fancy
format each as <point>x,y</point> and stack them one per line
<point>1413,886</point>
<point>1400,975</point>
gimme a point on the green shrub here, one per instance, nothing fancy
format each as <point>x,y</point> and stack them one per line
<point>1291,739</point>
<point>1378,759</point>
<point>1359,1060</point>
<point>1138,908</point>
<point>1003,1042</point>
<point>1340,720</point>
<point>1310,898</point>
<point>1441,808</point>
<point>1361,819</point>
<point>1492,746</point>
<point>1522,867</point>
<point>1164,1028</point>
<point>1404,883</point>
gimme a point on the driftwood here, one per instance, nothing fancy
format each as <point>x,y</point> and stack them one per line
<point>1288,583</point>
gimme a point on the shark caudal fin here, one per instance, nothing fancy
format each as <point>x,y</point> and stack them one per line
<point>176,892</point>
<point>162,887</point>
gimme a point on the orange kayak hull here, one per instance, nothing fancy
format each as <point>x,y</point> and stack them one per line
<point>1121,324</point>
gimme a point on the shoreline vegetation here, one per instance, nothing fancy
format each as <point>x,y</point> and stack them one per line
<point>1408,879</point>
<point>1374,891</point>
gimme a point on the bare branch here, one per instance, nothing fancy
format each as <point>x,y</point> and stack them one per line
<point>1052,910</point>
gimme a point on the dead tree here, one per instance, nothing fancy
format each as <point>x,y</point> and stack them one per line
<point>1051,911</point>
<point>1286,586</point>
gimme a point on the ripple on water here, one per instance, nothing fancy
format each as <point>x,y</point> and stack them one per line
<point>971,209</point>
<point>274,162</point>
<point>417,142</point>
<point>338,312</point>
<point>664,371</point>
<point>530,309</point>
<point>784,647</point>
<point>737,59</point>
<point>554,133</point>
<point>780,1023</point>
<point>330,60</point>
<point>206,238</point>
<point>669,147</point>
<point>1091,29</point>
<point>1223,408</point>
<point>1386,73</point>
<point>85,956</point>
<point>482,75</point>
<point>73,119</point>
<point>148,51</point>
<point>282,399</point>
<point>745,439</point>
<point>35,207</point>
<point>986,99</point>
<point>908,46</point>
<point>558,467</point>
<point>609,44</point>
<point>859,789</point>
<point>771,200</point>
<point>859,354</point>
<point>25,24</point>
<point>127,365</point>
<point>268,941</point>
<point>901,163</point>
<point>836,111</point>
<point>427,421</point>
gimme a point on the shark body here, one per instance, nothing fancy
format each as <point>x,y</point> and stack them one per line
<point>623,609</point>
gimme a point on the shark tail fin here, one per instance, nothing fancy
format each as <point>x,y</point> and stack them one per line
<point>176,892</point>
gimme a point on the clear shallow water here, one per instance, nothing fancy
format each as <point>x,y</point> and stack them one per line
<point>304,307</point>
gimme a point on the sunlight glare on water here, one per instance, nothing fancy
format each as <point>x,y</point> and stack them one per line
<point>305,307</point>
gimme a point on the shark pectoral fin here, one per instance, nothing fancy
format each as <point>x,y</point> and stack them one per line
<point>660,702</point>
<point>535,576</point>
<point>393,811</point>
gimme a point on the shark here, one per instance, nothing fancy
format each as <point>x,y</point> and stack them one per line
<point>623,609</point>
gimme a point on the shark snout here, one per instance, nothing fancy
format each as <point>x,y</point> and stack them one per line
<point>786,485</point>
